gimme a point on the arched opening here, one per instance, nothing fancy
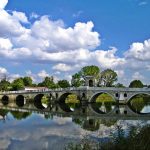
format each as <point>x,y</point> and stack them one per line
<point>41,101</point>
<point>125,95</point>
<point>91,84</point>
<point>20,101</point>
<point>102,103</point>
<point>56,95</point>
<point>117,94</point>
<point>83,95</point>
<point>5,100</point>
<point>140,103</point>
<point>68,102</point>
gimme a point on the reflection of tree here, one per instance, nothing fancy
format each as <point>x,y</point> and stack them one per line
<point>87,124</point>
<point>108,122</point>
<point>20,115</point>
<point>103,103</point>
<point>48,116</point>
<point>93,124</point>
<point>72,101</point>
<point>3,113</point>
<point>139,101</point>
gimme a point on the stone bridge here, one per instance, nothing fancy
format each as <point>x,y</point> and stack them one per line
<point>85,94</point>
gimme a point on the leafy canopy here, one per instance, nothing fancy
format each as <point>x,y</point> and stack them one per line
<point>136,84</point>
<point>108,77</point>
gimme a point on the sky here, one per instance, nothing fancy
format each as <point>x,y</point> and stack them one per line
<point>59,37</point>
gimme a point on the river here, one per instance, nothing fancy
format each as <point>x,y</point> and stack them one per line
<point>27,127</point>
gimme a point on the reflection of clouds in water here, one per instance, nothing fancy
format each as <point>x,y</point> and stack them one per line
<point>4,143</point>
<point>39,134</point>
<point>62,121</point>
<point>146,109</point>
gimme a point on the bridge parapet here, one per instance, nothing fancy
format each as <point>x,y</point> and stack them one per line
<point>84,92</point>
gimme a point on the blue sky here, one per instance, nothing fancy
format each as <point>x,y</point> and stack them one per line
<point>58,37</point>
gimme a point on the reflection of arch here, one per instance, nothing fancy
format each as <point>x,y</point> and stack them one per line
<point>20,100</point>
<point>37,101</point>
<point>138,102</point>
<point>5,99</point>
<point>137,94</point>
<point>105,107</point>
<point>62,103</point>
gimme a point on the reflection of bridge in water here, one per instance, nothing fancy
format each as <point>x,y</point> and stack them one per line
<point>85,117</point>
<point>117,111</point>
<point>86,95</point>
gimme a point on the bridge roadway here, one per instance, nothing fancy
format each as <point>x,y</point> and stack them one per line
<point>85,93</point>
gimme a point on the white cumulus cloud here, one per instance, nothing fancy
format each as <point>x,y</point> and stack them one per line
<point>3,3</point>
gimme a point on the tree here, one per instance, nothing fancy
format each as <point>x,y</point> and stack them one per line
<point>18,84</point>
<point>77,80</point>
<point>4,85</point>
<point>119,85</point>
<point>136,84</point>
<point>90,71</point>
<point>63,83</point>
<point>27,81</point>
<point>108,77</point>
<point>48,82</point>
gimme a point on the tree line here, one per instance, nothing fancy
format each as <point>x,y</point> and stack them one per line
<point>106,78</point>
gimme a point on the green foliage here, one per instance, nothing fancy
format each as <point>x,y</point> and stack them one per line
<point>72,98</point>
<point>84,144</point>
<point>18,84</point>
<point>77,80</point>
<point>136,84</point>
<point>48,82</point>
<point>45,100</point>
<point>119,85</point>
<point>104,98</point>
<point>90,71</point>
<point>63,83</point>
<point>27,81</point>
<point>136,139</point>
<point>4,85</point>
<point>108,77</point>
<point>138,103</point>
<point>20,115</point>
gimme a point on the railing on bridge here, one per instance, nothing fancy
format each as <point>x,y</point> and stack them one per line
<point>81,88</point>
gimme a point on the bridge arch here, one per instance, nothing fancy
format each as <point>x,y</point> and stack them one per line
<point>38,101</point>
<point>20,100</point>
<point>133,95</point>
<point>95,95</point>
<point>102,107</point>
<point>139,103</point>
<point>62,100</point>
<point>5,99</point>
